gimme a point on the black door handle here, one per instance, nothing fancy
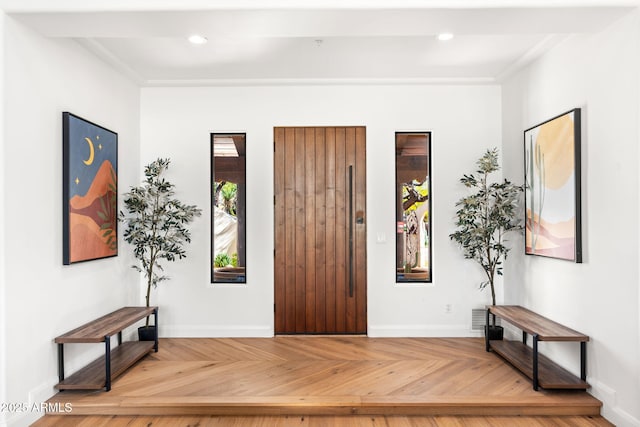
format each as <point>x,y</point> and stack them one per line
<point>351,284</point>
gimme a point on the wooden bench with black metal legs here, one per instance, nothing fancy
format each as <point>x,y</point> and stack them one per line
<point>541,370</point>
<point>102,371</point>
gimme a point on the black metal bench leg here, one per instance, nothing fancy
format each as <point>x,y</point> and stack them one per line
<point>486,332</point>
<point>60,362</point>
<point>583,360</point>
<point>155,321</point>
<point>535,362</point>
<point>107,363</point>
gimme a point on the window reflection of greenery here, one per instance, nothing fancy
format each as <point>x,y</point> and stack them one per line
<point>414,194</point>
<point>226,196</point>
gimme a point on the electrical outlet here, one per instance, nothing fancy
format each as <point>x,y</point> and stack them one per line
<point>447,308</point>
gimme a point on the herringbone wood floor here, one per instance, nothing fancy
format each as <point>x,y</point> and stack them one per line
<point>312,381</point>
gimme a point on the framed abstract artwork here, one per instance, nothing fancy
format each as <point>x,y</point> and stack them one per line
<point>552,188</point>
<point>90,190</point>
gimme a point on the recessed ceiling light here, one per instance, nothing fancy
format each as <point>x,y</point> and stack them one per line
<point>443,37</point>
<point>197,39</point>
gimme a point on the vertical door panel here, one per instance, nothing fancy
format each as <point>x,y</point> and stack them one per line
<point>320,255</point>
<point>289,309</point>
<point>350,159</point>
<point>300,231</point>
<point>330,229</point>
<point>341,235</point>
<point>279,180</point>
<point>360,232</point>
<point>310,236</point>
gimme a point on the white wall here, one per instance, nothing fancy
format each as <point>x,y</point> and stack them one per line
<point>43,298</point>
<point>600,74</point>
<point>176,123</point>
<point>3,309</point>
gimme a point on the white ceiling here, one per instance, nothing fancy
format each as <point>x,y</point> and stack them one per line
<point>259,42</point>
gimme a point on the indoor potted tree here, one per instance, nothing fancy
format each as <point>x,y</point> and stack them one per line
<point>156,227</point>
<point>483,220</point>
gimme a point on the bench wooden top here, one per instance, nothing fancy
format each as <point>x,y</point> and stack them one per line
<point>533,323</point>
<point>107,325</point>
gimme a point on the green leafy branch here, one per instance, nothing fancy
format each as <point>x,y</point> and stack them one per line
<point>485,217</point>
<point>156,223</point>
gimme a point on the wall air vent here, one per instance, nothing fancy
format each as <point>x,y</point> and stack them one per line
<point>479,319</point>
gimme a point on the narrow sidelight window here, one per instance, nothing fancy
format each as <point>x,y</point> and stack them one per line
<point>228,200</point>
<point>413,207</point>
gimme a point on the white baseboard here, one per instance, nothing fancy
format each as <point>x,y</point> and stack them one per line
<point>435,331</point>
<point>33,405</point>
<point>17,419</point>
<point>208,331</point>
<point>610,409</point>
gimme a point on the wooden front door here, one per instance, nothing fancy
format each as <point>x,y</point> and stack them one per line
<point>320,230</point>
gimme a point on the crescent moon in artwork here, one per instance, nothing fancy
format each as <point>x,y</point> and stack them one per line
<point>91,153</point>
